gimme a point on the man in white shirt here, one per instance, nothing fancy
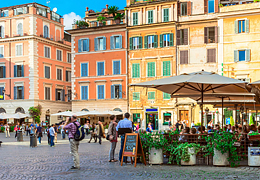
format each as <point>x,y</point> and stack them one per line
<point>7,134</point>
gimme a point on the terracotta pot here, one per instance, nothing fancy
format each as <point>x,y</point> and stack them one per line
<point>254,137</point>
<point>117,21</point>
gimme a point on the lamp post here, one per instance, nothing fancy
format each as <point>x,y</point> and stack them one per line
<point>206,115</point>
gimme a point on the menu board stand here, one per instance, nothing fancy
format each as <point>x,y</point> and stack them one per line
<point>133,148</point>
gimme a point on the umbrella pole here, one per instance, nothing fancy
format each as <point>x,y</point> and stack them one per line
<point>222,102</point>
<point>201,106</point>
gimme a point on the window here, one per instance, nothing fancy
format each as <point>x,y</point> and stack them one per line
<point>184,57</point>
<point>2,95</point>
<point>83,45</point>
<point>47,52</point>
<point>165,15</point>
<point>166,96</point>
<point>2,71</point>
<point>68,76</point>
<point>100,43</point>
<point>116,42</point>
<point>60,95</point>
<point>20,29</point>
<point>116,91</point>
<point>101,91</point>
<point>59,74</point>
<point>1,51</point>
<point>19,49</point>
<point>151,41</point>
<point>211,6</point>
<point>84,92</point>
<point>69,95</point>
<point>136,96</point>
<point>46,31</point>
<point>242,55</point>
<point>135,43</point>
<point>135,18</point>
<point>2,34</point>
<point>242,26</point>
<point>4,13</point>
<point>47,93</point>
<point>166,68</point>
<point>59,55</point>
<point>166,40</point>
<point>100,68</point>
<point>18,92</point>
<point>135,70</point>
<point>69,57</point>
<point>184,9</point>
<point>151,95</point>
<point>151,69</point>
<point>210,34</point>
<point>116,67</point>
<point>18,71</point>
<point>150,17</point>
<point>47,72</point>
<point>211,55</point>
<point>22,10</point>
<point>182,37</point>
<point>84,69</point>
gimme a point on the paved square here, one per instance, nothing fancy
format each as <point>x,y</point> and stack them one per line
<point>19,161</point>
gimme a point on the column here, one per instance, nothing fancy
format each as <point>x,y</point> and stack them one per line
<point>160,14</point>
<point>171,13</point>
<point>144,16</point>
<point>140,16</point>
<point>156,14</point>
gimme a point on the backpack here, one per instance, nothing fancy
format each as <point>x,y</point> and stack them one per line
<point>80,134</point>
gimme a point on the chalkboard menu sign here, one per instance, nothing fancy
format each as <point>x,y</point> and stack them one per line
<point>133,147</point>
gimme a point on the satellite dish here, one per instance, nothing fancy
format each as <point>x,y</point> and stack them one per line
<point>55,9</point>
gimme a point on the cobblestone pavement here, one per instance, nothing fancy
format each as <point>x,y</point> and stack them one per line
<point>19,161</point>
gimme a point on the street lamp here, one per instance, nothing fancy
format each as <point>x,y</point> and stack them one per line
<point>6,94</point>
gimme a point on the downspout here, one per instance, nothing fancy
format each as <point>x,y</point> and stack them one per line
<point>127,52</point>
<point>10,64</point>
<point>176,55</point>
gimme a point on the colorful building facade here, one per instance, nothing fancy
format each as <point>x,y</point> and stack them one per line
<point>35,61</point>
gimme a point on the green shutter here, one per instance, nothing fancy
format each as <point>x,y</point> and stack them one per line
<point>247,25</point>
<point>136,96</point>
<point>131,44</point>
<point>151,69</point>
<point>166,68</point>
<point>236,27</point>
<point>171,39</point>
<point>166,96</point>
<point>145,42</point>
<point>140,42</point>
<point>155,41</point>
<point>248,55</point>
<point>151,95</point>
<point>135,70</point>
<point>150,16</point>
<point>236,56</point>
<point>161,40</point>
<point>165,15</point>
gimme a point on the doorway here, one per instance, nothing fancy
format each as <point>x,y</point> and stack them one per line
<point>184,116</point>
<point>153,119</point>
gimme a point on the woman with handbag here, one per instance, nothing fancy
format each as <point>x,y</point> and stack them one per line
<point>112,137</point>
<point>39,133</point>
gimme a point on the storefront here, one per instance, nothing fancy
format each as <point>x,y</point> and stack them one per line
<point>152,117</point>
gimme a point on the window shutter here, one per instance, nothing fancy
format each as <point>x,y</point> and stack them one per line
<point>4,74</point>
<point>79,45</point>
<point>86,92</point>
<point>186,38</point>
<point>1,52</point>
<point>102,91</point>
<point>15,70</point>
<point>112,42</point>
<point>161,40</point>
<point>2,31</point>
<point>178,8</point>
<point>236,26</point>
<point>247,25</point>
<point>104,43</point>
<point>145,42</point>
<point>205,6</point>
<point>96,44</point>
<point>216,34</point>
<point>164,68</point>
<point>178,37</point>
<point>248,55</point>
<point>153,71</point>
<point>155,41</point>
<point>216,6</point>
<point>22,70</point>
<point>189,8</point>
<point>56,94</point>
<point>20,29</point>
<point>140,42</point>
<point>120,42</point>
<point>131,43</point>
<point>15,92</point>
<point>171,39</point>
<point>63,95</point>
<point>138,70</point>
<point>16,50</point>
<point>22,92</point>
<point>205,35</point>
<point>67,76</point>
<point>112,92</point>
<point>120,91</point>
<point>84,69</point>
<point>235,55</point>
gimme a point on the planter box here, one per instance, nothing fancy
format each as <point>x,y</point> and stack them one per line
<point>156,156</point>
<point>220,159</point>
<point>254,138</point>
<point>192,160</point>
<point>253,156</point>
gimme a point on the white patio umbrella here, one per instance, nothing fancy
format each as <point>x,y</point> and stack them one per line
<point>20,115</point>
<point>5,116</point>
<point>113,112</point>
<point>65,113</point>
<point>197,83</point>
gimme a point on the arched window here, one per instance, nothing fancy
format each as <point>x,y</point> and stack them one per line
<point>2,31</point>
<point>19,109</point>
<point>85,110</point>
<point>2,110</point>
<point>20,29</point>
<point>118,109</point>
<point>46,31</point>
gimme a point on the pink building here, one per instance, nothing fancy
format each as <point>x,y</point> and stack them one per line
<point>35,60</point>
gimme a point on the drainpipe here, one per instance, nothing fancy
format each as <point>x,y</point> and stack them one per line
<point>127,53</point>
<point>10,64</point>
<point>176,54</point>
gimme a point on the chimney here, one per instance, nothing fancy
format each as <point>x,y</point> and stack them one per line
<point>107,6</point>
<point>86,8</point>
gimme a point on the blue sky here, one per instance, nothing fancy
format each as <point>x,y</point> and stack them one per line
<point>72,9</point>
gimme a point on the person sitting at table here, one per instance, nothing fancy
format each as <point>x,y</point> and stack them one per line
<point>149,128</point>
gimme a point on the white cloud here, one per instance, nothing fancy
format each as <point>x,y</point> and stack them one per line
<point>69,19</point>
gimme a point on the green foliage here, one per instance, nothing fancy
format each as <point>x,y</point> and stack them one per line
<point>119,16</point>
<point>112,10</point>
<point>156,140</point>
<point>254,134</point>
<point>2,128</point>
<point>106,126</point>
<point>197,124</point>
<point>101,18</point>
<point>251,122</point>
<point>256,0</point>
<point>36,112</point>
<point>81,23</point>
<point>223,141</point>
<point>11,128</point>
<point>232,122</point>
<point>221,5</point>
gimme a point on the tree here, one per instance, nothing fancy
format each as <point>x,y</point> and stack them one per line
<point>36,112</point>
<point>112,10</point>
<point>232,122</point>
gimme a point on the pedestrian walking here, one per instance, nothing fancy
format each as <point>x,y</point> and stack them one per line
<point>86,127</point>
<point>74,145</point>
<point>93,133</point>
<point>100,132</point>
<point>112,138</point>
<point>62,131</point>
<point>27,128</point>
<point>39,133</point>
<point>16,128</point>
<point>125,124</point>
<point>7,134</point>
<point>52,134</point>
<point>56,134</point>
<point>48,135</point>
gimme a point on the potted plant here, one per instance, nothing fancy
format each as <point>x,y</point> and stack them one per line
<point>254,136</point>
<point>101,19</point>
<point>221,146</point>
<point>154,143</point>
<point>82,24</point>
<point>116,15</point>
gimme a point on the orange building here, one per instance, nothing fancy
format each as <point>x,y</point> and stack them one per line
<point>99,73</point>
<point>35,60</point>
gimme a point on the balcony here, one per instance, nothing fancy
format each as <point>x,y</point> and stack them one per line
<point>41,12</point>
<point>133,2</point>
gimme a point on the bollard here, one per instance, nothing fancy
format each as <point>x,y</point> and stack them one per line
<point>19,136</point>
<point>33,140</point>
